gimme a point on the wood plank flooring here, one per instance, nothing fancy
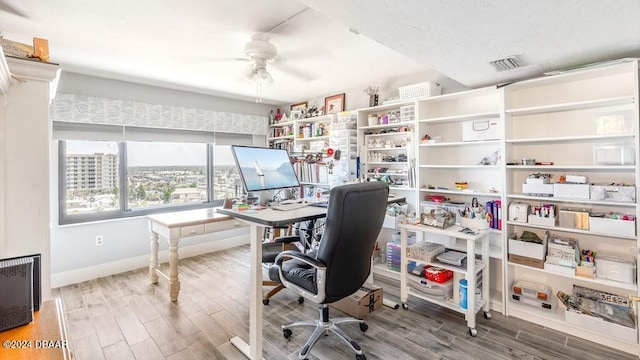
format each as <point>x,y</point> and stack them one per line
<point>125,317</point>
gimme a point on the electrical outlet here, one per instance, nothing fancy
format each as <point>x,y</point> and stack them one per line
<point>99,240</point>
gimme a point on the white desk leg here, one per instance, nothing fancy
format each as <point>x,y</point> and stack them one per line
<point>254,349</point>
<point>174,283</point>
<point>471,285</point>
<point>153,262</point>
<point>403,268</point>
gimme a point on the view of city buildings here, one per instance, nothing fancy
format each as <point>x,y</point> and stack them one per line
<point>92,183</point>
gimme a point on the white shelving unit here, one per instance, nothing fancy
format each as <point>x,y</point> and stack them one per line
<point>446,158</point>
<point>556,119</point>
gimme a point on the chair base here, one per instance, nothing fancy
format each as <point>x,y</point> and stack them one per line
<point>324,326</point>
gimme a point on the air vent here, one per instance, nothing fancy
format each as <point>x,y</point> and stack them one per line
<point>510,63</point>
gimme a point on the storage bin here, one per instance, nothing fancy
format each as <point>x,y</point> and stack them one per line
<point>475,224</point>
<point>616,267</point>
<point>543,221</point>
<point>437,274</point>
<point>621,153</point>
<point>601,327</point>
<point>574,218</point>
<point>527,248</point>
<point>537,189</point>
<point>420,90</point>
<point>571,191</point>
<point>523,260</point>
<point>425,251</point>
<point>622,193</point>
<point>612,224</point>
<point>478,130</point>
<point>615,122</point>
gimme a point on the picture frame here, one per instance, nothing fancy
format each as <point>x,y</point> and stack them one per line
<point>295,114</point>
<point>299,106</point>
<point>334,104</point>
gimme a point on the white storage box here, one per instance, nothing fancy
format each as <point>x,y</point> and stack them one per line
<point>544,221</point>
<point>571,191</point>
<point>612,226</point>
<point>601,327</point>
<point>615,122</point>
<point>537,189</point>
<point>559,269</point>
<point>621,153</point>
<point>622,193</point>
<point>478,130</point>
<point>616,267</point>
<point>527,248</point>
<point>425,251</point>
<point>476,224</point>
<point>420,90</point>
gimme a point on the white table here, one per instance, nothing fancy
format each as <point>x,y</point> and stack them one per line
<point>258,220</point>
<point>178,225</point>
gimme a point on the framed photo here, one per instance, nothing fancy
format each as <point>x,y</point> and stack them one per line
<point>295,114</point>
<point>334,104</point>
<point>299,106</point>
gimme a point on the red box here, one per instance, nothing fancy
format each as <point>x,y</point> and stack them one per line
<point>437,274</point>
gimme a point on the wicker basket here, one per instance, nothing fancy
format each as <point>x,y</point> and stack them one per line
<point>420,90</point>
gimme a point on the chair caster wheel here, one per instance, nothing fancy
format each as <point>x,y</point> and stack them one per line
<point>287,333</point>
<point>405,306</point>
<point>487,315</point>
<point>265,301</point>
<point>364,327</point>
<point>300,300</point>
<point>361,357</point>
<point>473,332</point>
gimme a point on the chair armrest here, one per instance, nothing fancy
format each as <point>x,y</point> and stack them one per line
<point>286,239</point>
<point>320,280</point>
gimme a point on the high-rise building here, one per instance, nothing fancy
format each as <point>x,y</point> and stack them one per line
<point>92,171</point>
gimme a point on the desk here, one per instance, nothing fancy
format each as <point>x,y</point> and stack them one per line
<point>258,220</point>
<point>44,338</point>
<point>178,225</point>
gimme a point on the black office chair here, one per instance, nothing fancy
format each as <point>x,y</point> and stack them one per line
<point>342,262</point>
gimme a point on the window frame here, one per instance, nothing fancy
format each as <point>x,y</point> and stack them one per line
<point>124,211</point>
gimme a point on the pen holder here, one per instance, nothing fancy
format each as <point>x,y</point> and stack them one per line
<point>476,224</point>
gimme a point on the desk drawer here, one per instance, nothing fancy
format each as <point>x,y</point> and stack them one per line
<point>192,230</point>
<point>222,225</point>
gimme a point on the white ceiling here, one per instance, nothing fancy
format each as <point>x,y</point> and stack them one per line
<point>194,45</point>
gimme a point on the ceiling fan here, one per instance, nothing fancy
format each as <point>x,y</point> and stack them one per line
<point>260,51</point>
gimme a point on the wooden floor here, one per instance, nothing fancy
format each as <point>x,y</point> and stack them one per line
<point>125,317</point>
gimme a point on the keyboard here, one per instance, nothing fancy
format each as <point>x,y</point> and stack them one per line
<point>290,206</point>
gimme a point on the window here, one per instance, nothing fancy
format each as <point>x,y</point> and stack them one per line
<point>159,176</point>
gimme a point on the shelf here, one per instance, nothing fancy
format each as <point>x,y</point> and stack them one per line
<point>586,138</point>
<point>404,163</point>
<point>388,149</point>
<point>386,126</point>
<point>461,192</point>
<point>615,284</point>
<point>322,118</point>
<point>460,166</point>
<point>572,167</point>
<point>460,143</point>
<point>281,124</point>
<point>397,133</point>
<point>392,106</point>
<point>457,118</point>
<point>579,105</point>
<point>383,270</point>
<point>570,230</point>
<point>281,138</point>
<point>386,174</point>
<point>459,269</point>
<point>577,201</point>
<point>304,183</point>
<point>403,188</point>
<point>313,138</point>
<point>448,303</point>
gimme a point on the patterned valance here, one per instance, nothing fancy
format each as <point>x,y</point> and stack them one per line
<point>97,110</point>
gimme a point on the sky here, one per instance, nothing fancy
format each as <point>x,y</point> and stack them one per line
<point>155,153</point>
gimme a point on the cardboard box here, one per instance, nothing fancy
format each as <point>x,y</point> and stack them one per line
<point>478,130</point>
<point>571,191</point>
<point>523,260</point>
<point>362,302</point>
<point>527,249</point>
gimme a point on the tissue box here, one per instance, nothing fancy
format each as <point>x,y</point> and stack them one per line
<point>622,193</point>
<point>538,189</point>
<point>572,191</point>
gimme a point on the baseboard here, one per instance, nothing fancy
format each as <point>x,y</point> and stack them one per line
<point>115,267</point>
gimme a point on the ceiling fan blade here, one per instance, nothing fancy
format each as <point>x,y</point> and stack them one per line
<point>12,10</point>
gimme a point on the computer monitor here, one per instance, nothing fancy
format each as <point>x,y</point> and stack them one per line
<point>264,169</point>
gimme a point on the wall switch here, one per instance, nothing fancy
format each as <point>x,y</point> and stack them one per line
<point>99,240</point>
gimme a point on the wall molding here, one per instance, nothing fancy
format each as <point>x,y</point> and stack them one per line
<point>75,276</point>
<point>98,110</point>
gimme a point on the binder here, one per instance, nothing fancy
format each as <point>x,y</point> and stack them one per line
<point>499,205</point>
<point>489,207</point>
<point>494,212</point>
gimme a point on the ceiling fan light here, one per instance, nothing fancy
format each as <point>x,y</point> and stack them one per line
<point>263,77</point>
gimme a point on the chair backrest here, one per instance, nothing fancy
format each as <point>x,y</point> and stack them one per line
<point>354,219</point>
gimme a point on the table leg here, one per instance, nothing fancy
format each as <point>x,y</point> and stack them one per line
<point>174,283</point>
<point>253,350</point>
<point>153,262</point>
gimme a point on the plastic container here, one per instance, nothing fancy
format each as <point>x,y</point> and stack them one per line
<point>463,294</point>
